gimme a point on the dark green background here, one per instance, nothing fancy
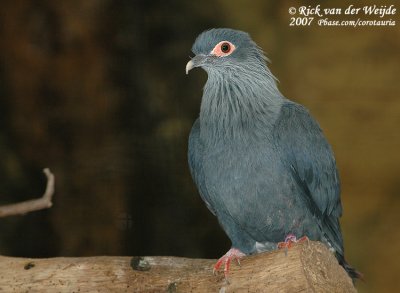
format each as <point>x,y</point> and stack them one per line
<point>97,91</point>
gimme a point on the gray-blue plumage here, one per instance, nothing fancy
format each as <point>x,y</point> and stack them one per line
<point>261,162</point>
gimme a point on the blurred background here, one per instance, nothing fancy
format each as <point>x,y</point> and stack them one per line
<point>96,91</point>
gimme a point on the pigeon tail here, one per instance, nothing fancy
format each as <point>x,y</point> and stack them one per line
<point>352,272</point>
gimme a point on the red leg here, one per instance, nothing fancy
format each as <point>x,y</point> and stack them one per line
<point>226,260</point>
<point>289,240</point>
<point>302,239</point>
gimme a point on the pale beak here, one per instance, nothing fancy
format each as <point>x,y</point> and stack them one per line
<point>189,66</point>
<point>196,61</point>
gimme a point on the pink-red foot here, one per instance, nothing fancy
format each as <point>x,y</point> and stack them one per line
<point>289,240</point>
<point>226,260</point>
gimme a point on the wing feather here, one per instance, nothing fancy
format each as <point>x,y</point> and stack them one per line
<point>195,157</point>
<point>310,158</point>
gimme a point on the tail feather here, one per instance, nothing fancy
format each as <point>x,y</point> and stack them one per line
<point>352,272</point>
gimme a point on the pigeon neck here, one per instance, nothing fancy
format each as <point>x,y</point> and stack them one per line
<point>236,105</point>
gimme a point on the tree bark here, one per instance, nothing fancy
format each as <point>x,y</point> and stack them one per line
<point>306,267</point>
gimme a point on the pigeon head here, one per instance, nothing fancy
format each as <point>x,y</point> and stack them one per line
<point>222,50</point>
<point>240,88</point>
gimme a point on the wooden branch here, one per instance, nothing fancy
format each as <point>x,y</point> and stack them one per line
<point>32,205</point>
<point>306,267</point>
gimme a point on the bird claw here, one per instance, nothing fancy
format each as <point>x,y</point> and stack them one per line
<point>289,240</point>
<point>226,260</point>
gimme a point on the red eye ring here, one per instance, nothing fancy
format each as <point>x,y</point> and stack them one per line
<point>223,48</point>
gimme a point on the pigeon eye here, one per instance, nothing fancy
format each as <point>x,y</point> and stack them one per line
<point>225,47</point>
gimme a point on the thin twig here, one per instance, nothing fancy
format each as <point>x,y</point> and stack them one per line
<point>34,204</point>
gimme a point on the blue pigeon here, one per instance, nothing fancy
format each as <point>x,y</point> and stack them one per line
<point>260,161</point>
